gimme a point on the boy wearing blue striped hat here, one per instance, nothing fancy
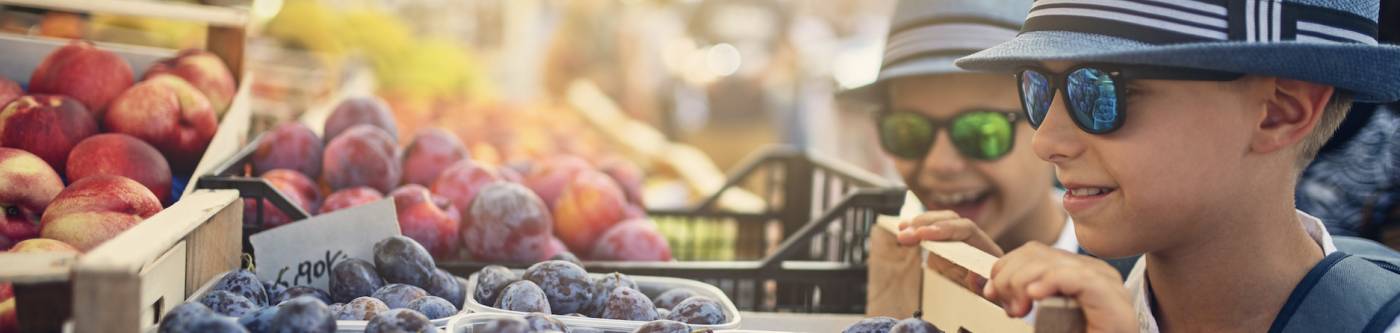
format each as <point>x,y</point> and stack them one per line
<point>1179,129</point>
<point>958,138</point>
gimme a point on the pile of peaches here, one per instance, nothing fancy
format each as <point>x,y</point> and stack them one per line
<point>89,152</point>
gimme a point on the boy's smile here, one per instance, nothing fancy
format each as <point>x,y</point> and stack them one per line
<point>1080,198</point>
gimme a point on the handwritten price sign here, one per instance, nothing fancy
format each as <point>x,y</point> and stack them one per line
<point>303,253</point>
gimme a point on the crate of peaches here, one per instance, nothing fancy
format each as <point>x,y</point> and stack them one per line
<point>96,139</point>
<point>458,207</point>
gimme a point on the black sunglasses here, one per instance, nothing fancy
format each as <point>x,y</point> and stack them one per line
<point>980,134</point>
<point>1096,93</point>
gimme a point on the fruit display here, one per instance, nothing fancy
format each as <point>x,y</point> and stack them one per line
<point>614,300</point>
<point>110,147</point>
<point>448,198</point>
<point>400,291</point>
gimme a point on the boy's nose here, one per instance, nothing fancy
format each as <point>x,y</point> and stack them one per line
<point>943,160</point>
<point>1057,139</point>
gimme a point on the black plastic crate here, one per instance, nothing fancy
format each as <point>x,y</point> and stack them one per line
<point>236,173</point>
<point>818,268</point>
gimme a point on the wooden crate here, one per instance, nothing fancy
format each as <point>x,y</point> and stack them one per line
<point>895,271</point>
<point>44,283</point>
<point>127,283</point>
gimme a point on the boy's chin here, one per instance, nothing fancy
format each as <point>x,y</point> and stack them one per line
<point>1107,245</point>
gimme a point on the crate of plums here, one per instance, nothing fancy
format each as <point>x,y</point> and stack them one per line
<point>398,290</point>
<point>99,142</point>
<point>537,322</point>
<point>807,239</point>
<point>606,302</point>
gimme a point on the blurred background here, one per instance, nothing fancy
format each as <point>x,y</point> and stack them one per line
<point>725,76</point>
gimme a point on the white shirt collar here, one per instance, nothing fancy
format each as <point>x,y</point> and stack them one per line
<point>1137,279</point>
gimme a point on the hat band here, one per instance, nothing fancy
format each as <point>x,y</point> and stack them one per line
<point>944,37</point>
<point>1193,21</point>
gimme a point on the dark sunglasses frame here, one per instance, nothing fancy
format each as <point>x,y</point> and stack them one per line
<point>1121,75</point>
<point>942,124</point>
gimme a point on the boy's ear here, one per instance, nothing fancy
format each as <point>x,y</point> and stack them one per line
<point>1290,114</point>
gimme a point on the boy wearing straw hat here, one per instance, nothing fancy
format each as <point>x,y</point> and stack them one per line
<point>1179,129</point>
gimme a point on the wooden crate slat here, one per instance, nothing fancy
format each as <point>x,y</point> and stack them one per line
<point>211,15</point>
<point>36,267</point>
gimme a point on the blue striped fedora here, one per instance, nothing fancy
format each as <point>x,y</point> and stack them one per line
<point>927,36</point>
<point>1329,42</point>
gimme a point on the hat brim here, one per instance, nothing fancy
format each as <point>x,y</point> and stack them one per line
<point>1372,73</point>
<point>873,94</point>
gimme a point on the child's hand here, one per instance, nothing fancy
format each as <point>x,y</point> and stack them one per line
<point>945,226</point>
<point>1036,271</point>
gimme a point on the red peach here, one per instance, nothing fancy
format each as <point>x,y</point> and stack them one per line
<point>121,155</point>
<point>43,245</point>
<point>349,197</point>
<point>549,177</point>
<point>9,91</point>
<point>46,125</point>
<point>302,191</point>
<point>431,151</point>
<point>355,111</point>
<point>362,156</point>
<point>430,219</point>
<point>461,182</point>
<point>634,240</point>
<point>590,205</point>
<point>168,113</point>
<point>289,146</point>
<point>95,209</point>
<point>27,187</point>
<point>80,70</point>
<point>205,71</point>
<point>9,320</point>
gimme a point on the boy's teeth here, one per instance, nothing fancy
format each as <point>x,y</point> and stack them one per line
<point>956,198</point>
<point>1088,191</point>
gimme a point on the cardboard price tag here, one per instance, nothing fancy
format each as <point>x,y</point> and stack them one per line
<point>303,253</point>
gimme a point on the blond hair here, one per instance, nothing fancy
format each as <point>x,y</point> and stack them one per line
<point>1332,116</point>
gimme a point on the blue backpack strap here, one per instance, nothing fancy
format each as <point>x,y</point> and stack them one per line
<point>1368,249</point>
<point>1343,293</point>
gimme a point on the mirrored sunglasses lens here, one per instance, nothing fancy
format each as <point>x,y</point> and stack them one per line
<point>905,135</point>
<point>1036,95</point>
<point>1093,100</point>
<point>982,135</point>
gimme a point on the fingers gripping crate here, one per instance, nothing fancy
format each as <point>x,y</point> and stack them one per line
<point>946,296</point>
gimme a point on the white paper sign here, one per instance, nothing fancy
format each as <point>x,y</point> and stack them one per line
<point>303,253</point>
